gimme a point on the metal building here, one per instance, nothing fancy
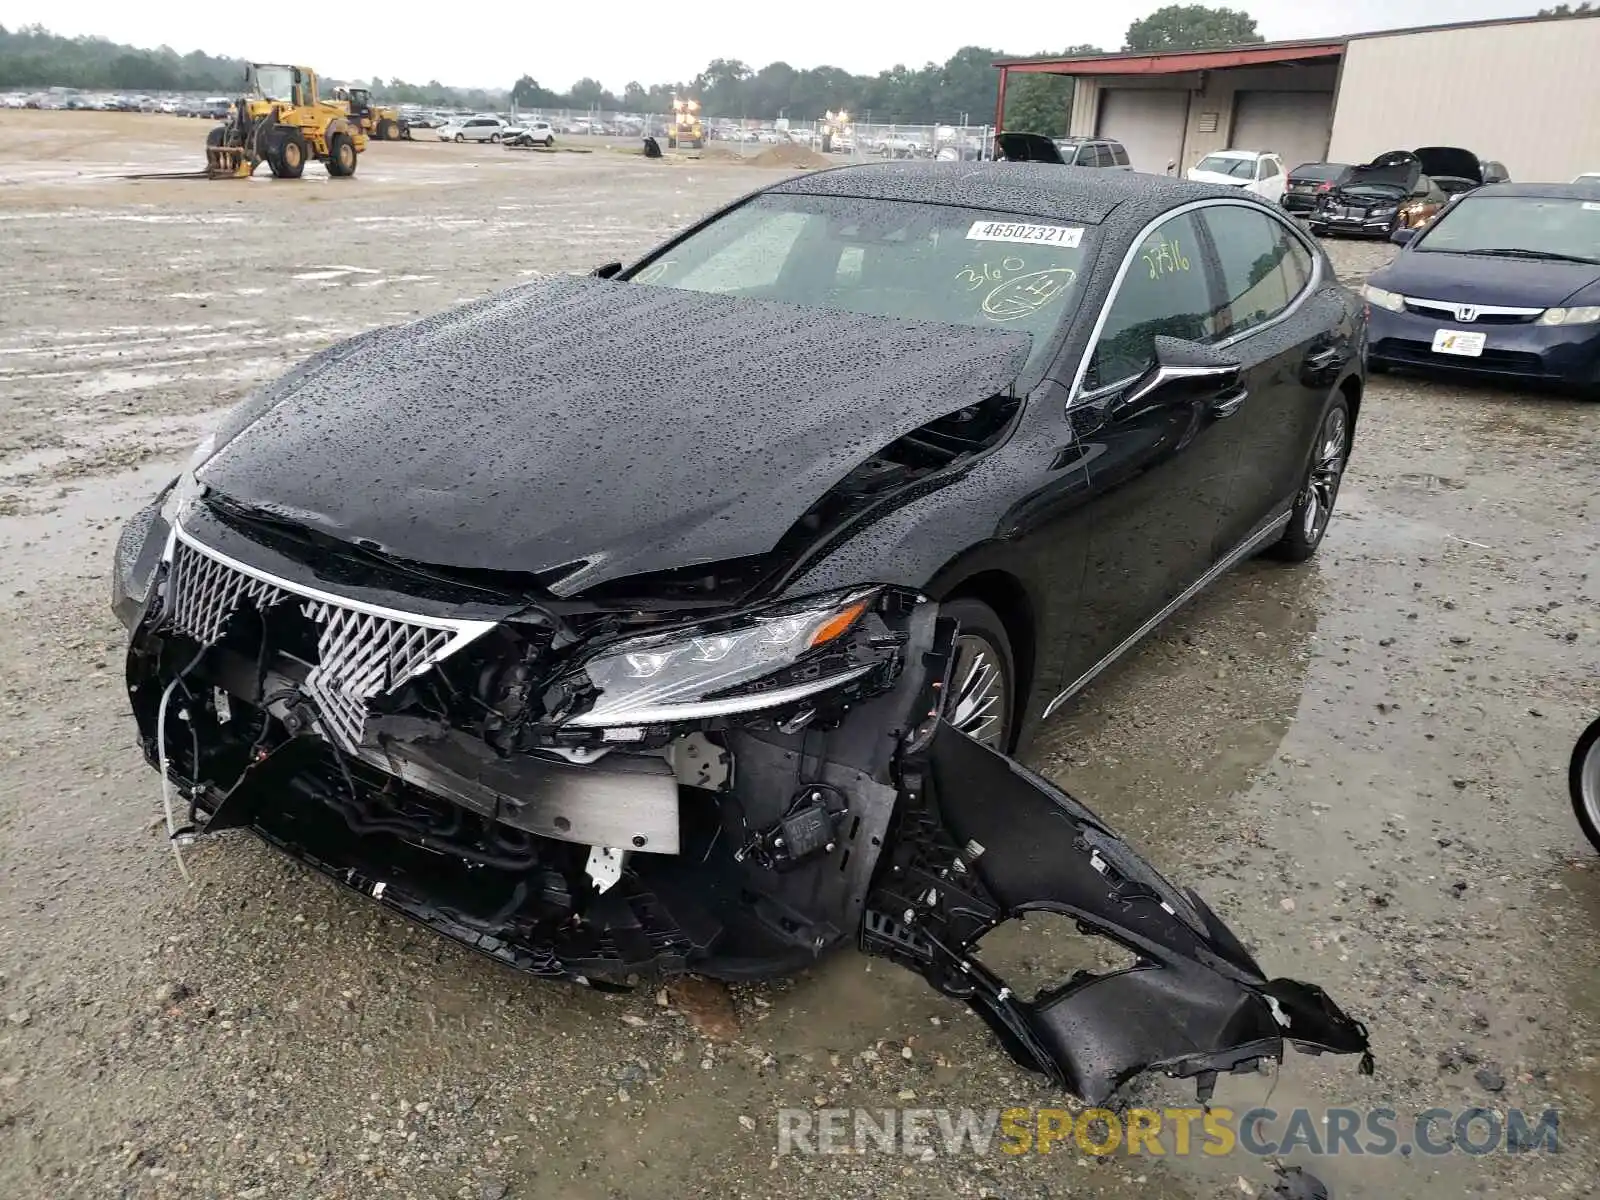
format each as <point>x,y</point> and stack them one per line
<point>1521,91</point>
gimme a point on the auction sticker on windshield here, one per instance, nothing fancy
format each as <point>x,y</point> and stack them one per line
<point>1067,236</point>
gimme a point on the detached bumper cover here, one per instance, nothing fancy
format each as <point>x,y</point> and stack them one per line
<point>981,840</point>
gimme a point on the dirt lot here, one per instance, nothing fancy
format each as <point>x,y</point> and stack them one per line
<point>1360,764</point>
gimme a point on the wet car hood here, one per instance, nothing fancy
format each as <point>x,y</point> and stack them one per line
<point>1471,279</point>
<point>1450,161</point>
<point>1398,170</point>
<point>606,428</point>
<point>1028,147</point>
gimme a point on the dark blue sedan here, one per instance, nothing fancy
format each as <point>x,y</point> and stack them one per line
<point>1505,282</point>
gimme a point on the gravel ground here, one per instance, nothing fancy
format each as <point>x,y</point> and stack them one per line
<point>1359,763</point>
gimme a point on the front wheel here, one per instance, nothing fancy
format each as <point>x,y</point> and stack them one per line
<point>1313,507</point>
<point>494,138</point>
<point>548,142</point>
<point>461,137</point>
<point>1584,779</point>
<point>341,156</point>
<point>982,676</point>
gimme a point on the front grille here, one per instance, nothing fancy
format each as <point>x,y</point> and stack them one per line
<point>1508,362</point>
<point>204,593</point>
<point>362,652</point>
<point>1447,313</point>
<point>360,656</point>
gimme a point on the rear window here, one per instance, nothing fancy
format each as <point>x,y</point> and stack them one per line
<point>1239,168</point>
<point>923,262</point>
<point>1319,171</point>
<point>1119,156</point>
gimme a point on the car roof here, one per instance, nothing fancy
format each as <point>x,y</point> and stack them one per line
<point>1239,154</point>
<point>1026,189</point>
<point>1536,191</point>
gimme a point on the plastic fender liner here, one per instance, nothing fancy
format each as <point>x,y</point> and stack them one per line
<point>981,840</point>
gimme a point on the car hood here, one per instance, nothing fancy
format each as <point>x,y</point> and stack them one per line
<point>1470,279</point>
<point>1021,147</point>
<point>1398,169</point>
<point>1199,176</point>
<point>1451,161</point>
<point>605,428</point>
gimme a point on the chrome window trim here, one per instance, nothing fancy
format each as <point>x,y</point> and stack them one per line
<point>1076,395</point>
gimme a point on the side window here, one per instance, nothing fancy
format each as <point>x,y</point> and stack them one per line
<point>1271,168</point>
<point>1264,267</point>
<point>1165,291</point>
<point>1119,155</point>
<point>1095,155</point>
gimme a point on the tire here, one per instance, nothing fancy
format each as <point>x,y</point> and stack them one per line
<point>1313,506</point>
<point>494,139</point>
<point>388,131</point>
<point>982,698</point>
<point>290,155</point>
<point>549,142</point>
<point>341,156</point>
<point>1584,780</point>
<point>461,137</point>
<point>405,133</point>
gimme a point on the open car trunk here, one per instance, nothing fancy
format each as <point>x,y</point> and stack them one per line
<point>1027,147</point>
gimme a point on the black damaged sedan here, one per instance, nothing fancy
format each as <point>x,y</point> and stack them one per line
<point>681,617</point>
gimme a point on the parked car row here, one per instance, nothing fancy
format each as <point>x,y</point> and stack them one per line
<point>485,127</point>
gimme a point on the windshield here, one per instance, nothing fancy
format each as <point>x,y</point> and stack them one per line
<point>1538,225</point>
<point>275,83</point>
<point>920,262</point>
<point>1239,168</point>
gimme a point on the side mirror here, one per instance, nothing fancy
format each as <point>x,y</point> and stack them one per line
<point>1183,371</point>
<point>606,270</point>
<point>1172,166</point>
<point>1403,236</point>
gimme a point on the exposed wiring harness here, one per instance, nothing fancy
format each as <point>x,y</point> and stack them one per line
<point>177,838</point>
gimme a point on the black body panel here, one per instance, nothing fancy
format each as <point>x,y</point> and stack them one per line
<point>597,426</point>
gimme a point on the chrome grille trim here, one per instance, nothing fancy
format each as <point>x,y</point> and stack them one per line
<point>363,650</point>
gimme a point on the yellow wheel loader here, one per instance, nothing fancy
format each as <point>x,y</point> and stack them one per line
<point>279,120</point>
<point>378,121</point>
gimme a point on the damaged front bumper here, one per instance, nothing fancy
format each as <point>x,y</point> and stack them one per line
<point>738,846</point>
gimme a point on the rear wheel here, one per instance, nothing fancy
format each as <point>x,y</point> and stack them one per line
<point>341,156</point>
<point>1313,507</point>
<point>982,676</point>
<point>1585,783</point>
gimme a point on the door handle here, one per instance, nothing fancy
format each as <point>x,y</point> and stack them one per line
<point>1229,402</point>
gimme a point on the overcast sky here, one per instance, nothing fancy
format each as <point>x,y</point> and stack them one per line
<point>490,44</point>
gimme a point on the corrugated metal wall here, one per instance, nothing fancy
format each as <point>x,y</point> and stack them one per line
<point>1526,95</point>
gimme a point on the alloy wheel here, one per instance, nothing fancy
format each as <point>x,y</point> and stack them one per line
<point>1587,784</point>
<point>1327,469</point>
<point>980,704</point>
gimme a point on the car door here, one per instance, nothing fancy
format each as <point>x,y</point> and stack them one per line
<point>1159,475</point>
<point>1283,325</point>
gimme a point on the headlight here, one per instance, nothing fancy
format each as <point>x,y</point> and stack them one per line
<point>1393,301</point>
<point>792,651</point>
<point>1386,210</point>
<point>1571,316</point>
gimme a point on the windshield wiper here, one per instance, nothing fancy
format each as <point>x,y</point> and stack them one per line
<point>1540,255</point>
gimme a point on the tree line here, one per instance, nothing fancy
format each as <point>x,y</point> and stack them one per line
<point>962,89</point>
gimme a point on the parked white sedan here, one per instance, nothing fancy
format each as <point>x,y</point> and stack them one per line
<point>1258,171</point>
<point>476,129</point>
